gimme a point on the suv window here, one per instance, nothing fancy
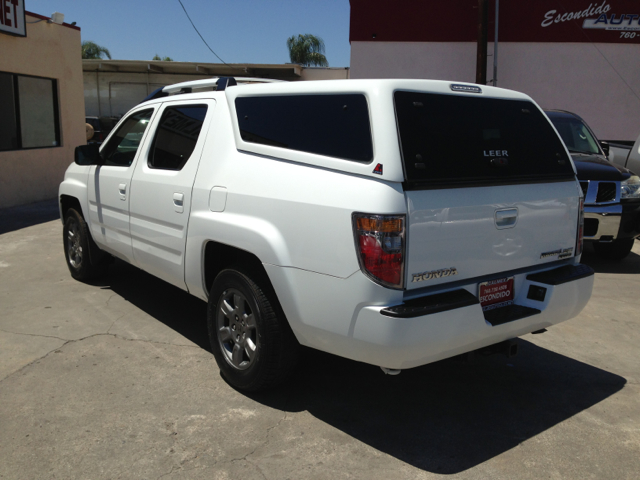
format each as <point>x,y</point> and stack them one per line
<point>332,125</point>
<point>176,136</point>
<point>123,145</point>
<point>462,139</point>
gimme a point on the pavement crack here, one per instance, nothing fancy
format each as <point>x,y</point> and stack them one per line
<point>173,469</point>
<point>116,320</point>
<point>143,340</point>
<point>106,303</point>
<point>34,335</point>
<point>67,342</point>
<point>263,443</point>
<point>36,360</point>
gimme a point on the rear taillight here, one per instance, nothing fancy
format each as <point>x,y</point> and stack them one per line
<point>580,234</point>
<point>380,247</point>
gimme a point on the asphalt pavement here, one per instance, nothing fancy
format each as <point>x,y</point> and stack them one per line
<point>114,380</point>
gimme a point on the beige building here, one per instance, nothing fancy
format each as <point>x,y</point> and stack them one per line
<point>41,104</point>
<point>112,87</point>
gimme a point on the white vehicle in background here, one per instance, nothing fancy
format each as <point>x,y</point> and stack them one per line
<point>625,154</point>
<point>393,222</point>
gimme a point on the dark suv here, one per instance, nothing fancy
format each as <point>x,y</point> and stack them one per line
<point>611,192</point>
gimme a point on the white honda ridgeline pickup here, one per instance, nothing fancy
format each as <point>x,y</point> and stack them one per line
<point>393,222</point>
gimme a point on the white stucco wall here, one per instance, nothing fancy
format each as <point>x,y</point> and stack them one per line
<point>322,73</point>
<point>600,82</point>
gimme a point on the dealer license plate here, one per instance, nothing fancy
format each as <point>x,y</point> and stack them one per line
<point>496,293</point>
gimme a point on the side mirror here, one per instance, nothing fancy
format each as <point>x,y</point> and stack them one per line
<point>88,155</point>
<point>605,148</point>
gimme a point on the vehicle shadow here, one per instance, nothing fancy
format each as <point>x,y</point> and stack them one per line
<point>448,416</point>
<point>23,216</point>
<point>444,418</point>
<point>170,305</point>
<point>628,265</point>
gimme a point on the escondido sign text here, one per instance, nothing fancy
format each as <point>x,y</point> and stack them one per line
<point>551,17</point>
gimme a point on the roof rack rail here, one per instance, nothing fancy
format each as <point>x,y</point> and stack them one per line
<point>215,82</point>
<point>221,83</point>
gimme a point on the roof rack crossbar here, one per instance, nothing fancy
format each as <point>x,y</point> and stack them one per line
<point>157,93</point>
<point>224,82</point>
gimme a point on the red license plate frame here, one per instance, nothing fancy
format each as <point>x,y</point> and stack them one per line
<point>496,293</point>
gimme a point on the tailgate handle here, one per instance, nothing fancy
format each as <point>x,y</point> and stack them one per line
<point>506,218</point>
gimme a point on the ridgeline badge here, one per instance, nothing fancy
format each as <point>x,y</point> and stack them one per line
<point>445,272</point>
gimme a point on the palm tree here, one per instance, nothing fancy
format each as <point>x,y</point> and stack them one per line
<point>165,59</point>
<point>307,50</point>
<point>94,51</point>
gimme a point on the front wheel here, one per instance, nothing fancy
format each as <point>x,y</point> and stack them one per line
<point>616,250</point>
<point>250,338</point>
<point>76,239</point>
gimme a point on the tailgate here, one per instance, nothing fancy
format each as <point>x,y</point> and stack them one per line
<point>457,234</point>
<point>490,186</point>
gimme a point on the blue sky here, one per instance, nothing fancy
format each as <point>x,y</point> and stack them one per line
<point>239,31</point>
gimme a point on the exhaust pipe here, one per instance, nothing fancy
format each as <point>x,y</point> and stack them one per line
<point>390,371</point>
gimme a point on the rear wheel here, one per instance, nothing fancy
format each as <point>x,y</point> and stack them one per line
<point>250,338</point>
<point>76,240</point>
<point>616,250</point>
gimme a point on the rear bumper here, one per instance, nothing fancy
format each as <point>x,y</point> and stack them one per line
<point>397,342</point>
<point>356,319</point>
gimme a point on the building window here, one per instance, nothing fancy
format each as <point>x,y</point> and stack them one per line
<point>28,112</point>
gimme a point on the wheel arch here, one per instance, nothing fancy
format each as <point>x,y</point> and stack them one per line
<point>219,256</point>
<point>67,202</point>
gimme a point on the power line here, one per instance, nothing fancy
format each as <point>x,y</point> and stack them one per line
<point>194,27</point>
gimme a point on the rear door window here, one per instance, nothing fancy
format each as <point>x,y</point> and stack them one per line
<point>176,136</point>
<point>449,139</point>
<point>331,125</point>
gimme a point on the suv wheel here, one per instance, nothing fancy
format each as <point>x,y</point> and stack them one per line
<point>616,250</point>
<point>250,338</point>
<point>76,240</point>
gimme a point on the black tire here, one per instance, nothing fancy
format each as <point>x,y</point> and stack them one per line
<point>616,250</point>
<point>77,243</point>
<point>250,337</point>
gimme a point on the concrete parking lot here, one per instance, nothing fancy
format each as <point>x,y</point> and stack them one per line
<point>115,380</point>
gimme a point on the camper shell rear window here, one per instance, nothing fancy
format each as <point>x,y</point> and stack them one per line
<point>331,125</point>
<point>449,139</point>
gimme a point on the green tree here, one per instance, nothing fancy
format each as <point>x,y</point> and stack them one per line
<point>93,51</point>
<point>307,50</point>
<point>165,59</point>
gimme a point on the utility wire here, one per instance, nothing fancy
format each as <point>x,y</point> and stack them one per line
<point>194,27</point>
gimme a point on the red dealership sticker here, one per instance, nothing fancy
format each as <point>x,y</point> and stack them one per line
<point>496,293</point>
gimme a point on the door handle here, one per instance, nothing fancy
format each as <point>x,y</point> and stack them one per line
<point>122,188</point>
<point>178,202</point>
